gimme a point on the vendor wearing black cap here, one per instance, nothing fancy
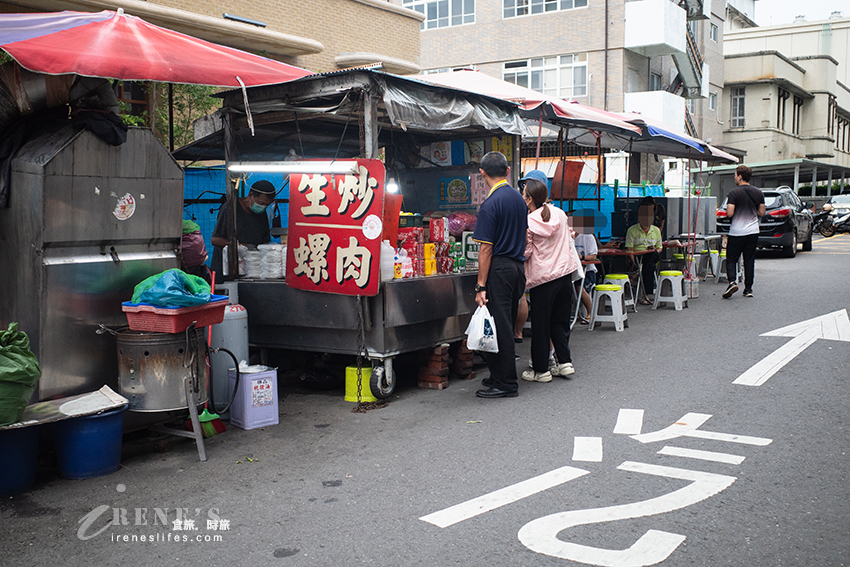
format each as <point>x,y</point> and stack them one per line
<point>252,222</point>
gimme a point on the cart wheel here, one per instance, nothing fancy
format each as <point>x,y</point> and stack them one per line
<point>381,384</point>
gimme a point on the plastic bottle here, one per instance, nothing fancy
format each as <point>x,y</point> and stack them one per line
<point>387,261</point>
<point>406,264</point>
<point>397,264</point>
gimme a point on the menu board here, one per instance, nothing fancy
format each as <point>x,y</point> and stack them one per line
<point>335,226</point>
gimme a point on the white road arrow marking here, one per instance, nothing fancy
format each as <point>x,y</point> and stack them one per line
<point>503,496</point>
<point>541,535</point>
<point>833,326</point>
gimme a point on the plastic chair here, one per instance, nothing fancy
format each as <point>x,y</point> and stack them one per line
<point>714,262</point>
<point>673,292</point>
<point>721,268</point>
<point>608,307</point>
<point>623,281</point>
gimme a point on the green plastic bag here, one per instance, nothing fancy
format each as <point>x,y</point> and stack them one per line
<point>173,288</point>
<point>190,226</point>
<point>19,374</point>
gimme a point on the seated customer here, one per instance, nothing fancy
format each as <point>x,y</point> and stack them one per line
<point>587,249</point>
<point>645,236</point>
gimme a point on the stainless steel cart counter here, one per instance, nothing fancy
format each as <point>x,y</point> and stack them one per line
<point>406,315</point>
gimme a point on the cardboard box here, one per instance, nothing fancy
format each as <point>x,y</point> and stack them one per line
<point>439,230</point>
<point>470,248</point>
<point>430,267</point>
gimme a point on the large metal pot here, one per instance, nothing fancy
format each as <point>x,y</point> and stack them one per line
<point>152,368</point>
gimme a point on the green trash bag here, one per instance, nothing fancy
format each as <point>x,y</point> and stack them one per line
<point>19,374</point>
<point>173,288</point>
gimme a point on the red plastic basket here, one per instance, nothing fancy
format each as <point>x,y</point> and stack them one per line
<point>144,317</point>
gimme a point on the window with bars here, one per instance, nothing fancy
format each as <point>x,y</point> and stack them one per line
<point>796,115</point>
<point>514,8</point>
<point>134,100</point>
<point>443,13</point>
<point>737,106</point>
<point>563,76</point>
<point>654,82</point>
<point>780,107</point>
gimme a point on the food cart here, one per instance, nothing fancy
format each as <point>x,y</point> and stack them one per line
<point>325,304</point>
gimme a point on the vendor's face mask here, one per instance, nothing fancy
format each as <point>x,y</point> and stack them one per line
<point>257,207</point>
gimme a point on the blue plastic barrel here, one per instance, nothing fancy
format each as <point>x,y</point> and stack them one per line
<point>19,456</point>
<point>89,446</point>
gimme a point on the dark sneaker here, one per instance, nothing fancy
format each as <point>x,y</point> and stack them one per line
<point>730,290</point>
<point>748,293</point>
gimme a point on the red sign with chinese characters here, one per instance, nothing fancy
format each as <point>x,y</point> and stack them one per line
<point>335,226</point>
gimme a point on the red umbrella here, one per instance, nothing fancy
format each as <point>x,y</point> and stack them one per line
<point>117,46</point>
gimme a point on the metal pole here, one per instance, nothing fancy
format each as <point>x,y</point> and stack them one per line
<point>598,172</point>
<point>628,184</point>
<point>516,161</point>
<point>828,185</point>
<point>814,179</point>
<point>170,117</point>
<point>796,177</point>
<point>539,136</point>
<point>232,200</point>
<point>562,141</point>
<point>369,132</point>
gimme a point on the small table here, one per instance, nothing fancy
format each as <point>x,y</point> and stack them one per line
<point>707,238</point>
<point>616,252</point>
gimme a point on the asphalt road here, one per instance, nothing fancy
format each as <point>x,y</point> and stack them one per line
<point>328,487</point>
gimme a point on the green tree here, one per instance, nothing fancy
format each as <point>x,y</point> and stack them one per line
<point>190,102</point>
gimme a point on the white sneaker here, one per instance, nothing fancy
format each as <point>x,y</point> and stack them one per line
<point>532,376</point>
<point>562,370</point>
<point>552,362</point>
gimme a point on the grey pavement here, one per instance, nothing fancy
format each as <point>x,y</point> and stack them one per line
<point>329,487</point>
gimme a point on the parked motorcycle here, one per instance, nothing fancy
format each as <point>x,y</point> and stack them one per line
<point>833,225</point>
<point>820,219</point>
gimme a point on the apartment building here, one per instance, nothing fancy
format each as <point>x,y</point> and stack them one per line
<point>656,57</point>
<point>787,91</point>
<point>786,100</point>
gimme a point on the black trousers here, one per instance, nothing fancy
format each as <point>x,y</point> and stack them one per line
<point>735,246</point>
<point>551,312</point>
<point>505,286</point>
<point>647,271</point>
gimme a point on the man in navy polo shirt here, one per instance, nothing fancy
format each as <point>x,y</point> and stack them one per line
<point>500,229</point>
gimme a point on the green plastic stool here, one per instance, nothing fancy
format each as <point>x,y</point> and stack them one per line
<point>675,281</point>
<point>608,307</point>
<point>628,292</point>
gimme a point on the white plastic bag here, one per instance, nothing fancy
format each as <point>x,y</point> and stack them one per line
<point>481,332</point>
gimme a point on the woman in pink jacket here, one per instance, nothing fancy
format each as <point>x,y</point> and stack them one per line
<point>550,259</point>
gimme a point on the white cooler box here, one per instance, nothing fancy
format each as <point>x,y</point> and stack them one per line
<point>255,402</point>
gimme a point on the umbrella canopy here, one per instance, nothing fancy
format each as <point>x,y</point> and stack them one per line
<point>656,138</point>
<point>117,46</point>
<point>535,104</point>
<point>655,129</point>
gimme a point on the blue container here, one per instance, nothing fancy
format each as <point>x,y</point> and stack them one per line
<point>19,455</point>
<point>89,446</point>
